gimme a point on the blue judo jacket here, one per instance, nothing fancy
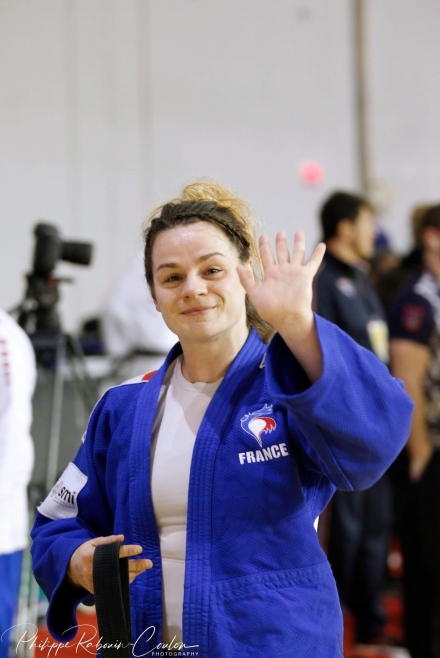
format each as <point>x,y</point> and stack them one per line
<point>270,451</point>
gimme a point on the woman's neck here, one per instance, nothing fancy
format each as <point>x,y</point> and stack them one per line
<point>209,361</point>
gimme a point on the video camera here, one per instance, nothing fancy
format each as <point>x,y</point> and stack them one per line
<point>38,310</point>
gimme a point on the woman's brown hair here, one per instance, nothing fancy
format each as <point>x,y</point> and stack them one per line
<point>213,203</point>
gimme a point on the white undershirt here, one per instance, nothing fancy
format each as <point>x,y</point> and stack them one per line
<point>182,406</point>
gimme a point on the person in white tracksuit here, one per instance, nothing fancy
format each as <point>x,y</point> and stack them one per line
<point>17,383</point>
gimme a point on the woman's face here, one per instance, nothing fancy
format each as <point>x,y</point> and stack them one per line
<point>196,285</point>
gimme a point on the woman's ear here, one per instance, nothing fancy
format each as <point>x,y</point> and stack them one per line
<point>249,266</point>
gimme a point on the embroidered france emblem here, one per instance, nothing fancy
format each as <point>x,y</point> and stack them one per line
<point>258,422</point>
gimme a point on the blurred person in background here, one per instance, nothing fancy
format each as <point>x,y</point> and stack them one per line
<point>387,283</point>
<point>414,258</point>
<point>132,326</point>
<point>414,321</point>
<point>17,382</point>
<point>384,259</point>
<point>360,522</point>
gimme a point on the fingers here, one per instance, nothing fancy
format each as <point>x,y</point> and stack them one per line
<point>284,260</point>
<point>316,258</point>
<point>246,277</point>
<point>111,539</point>
<point>299,253</point>
<point>283,255</point>
<point>128,550</point>
<point>80,568</point>
<point>299,248</point>
<point>267,258</point>
<point>136,567</point>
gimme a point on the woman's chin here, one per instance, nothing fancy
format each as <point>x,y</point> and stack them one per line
<point>199,331</point>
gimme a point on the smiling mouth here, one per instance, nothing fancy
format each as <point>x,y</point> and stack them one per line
<point>200,310</point>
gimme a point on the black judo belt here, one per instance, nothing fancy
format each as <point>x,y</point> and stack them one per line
<point>112,601</point>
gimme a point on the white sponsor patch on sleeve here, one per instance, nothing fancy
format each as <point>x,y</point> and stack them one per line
<point>62,503</point>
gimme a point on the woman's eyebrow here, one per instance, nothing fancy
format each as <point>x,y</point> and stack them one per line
<point>199,260</point>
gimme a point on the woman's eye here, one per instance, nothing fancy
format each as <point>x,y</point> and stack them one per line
<point>172,278</point>
<point>213,270</point>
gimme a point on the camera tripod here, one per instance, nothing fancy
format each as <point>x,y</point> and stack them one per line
<point>60,355</point>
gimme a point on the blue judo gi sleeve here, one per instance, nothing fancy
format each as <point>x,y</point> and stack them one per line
<point>353,422</point>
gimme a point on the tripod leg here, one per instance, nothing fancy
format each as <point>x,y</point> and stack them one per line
<point>25,627</point>
<point>86,386</point>
<point>56,412</point>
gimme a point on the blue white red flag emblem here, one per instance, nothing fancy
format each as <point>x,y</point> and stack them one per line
<point>259,422</point>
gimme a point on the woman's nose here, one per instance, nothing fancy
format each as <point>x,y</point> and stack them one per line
<point>193,285</point>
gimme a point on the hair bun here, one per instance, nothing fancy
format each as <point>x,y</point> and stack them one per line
<point>208,191</point>
<point>205,191</point>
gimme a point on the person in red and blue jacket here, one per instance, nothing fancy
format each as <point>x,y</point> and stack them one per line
<point>215,467</point>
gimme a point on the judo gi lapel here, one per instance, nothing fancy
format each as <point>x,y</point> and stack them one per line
<point>148,590</point>
<point>198,540</point>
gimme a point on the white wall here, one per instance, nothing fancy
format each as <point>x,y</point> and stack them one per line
<point>404,81</point>
<point>107,107</point>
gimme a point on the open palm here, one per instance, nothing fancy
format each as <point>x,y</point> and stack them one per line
<point>284,298</point>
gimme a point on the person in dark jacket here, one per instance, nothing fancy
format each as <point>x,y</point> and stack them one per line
<point>360,521</point>
<point>388,283</point>
<point>414,321</point>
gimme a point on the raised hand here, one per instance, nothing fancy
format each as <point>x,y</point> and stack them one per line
<point>80,569</point>
<point>284,299</point>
